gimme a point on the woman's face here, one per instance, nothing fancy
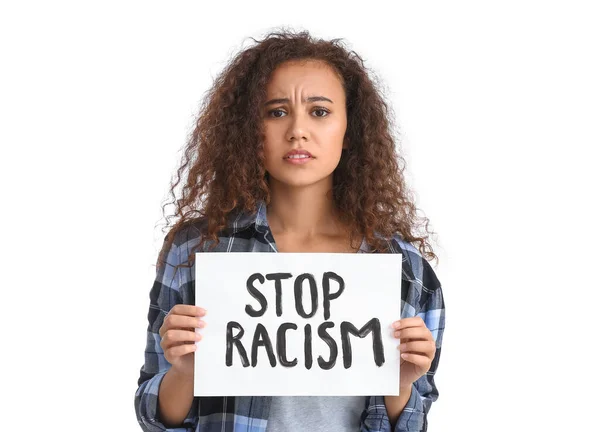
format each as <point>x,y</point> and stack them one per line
<point>305,122</point>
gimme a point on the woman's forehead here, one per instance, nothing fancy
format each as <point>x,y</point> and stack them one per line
<point>311,76</point>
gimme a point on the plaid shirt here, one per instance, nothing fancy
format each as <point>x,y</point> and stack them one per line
<point>421,295</point>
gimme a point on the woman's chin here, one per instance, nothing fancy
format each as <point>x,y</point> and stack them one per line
<point>299,181</point>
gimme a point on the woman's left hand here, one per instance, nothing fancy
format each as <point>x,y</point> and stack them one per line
<point>417,349</point>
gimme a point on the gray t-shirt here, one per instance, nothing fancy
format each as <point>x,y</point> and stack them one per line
<point>315,413</point>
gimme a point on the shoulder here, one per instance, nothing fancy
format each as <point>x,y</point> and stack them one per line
<point>189,235</point>
<point>178,240</point>
<point>188,232</point>
<point>417,266</point>
<point>420,281</point>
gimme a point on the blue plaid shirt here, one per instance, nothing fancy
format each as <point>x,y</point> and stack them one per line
<point>421,295</point>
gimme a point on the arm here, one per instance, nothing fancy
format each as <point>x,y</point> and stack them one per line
<point>155,376</point>
<point>175,398</point>
<point>424,391</point>
<point>408,412</point>
<point>395,404</point>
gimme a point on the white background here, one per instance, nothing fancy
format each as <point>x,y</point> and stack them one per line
<point>498,105</point>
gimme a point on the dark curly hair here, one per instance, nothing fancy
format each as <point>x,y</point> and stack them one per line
<point>222,168</point>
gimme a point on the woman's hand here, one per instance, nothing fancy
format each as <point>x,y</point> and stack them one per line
<point>417,349</point>
<point>179,337</point>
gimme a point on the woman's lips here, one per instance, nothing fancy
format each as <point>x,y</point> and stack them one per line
<point>298,159</point>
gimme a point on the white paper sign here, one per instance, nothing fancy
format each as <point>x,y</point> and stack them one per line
<point>291,324</point>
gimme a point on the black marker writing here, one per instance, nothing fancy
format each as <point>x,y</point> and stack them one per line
<point>277,277</point>
<point>235,340</point>
<point>308,360</point>
<point>327,297</point>
<point>372,326</point>
<point>281,345</point>
<point>261,338</point>
<point>333,351</point>
<point>298,285</point>
<point>254,292</point>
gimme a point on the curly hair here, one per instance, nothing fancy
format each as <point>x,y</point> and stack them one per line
<point>222,169</point>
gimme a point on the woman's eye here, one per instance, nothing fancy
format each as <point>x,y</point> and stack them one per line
<point>277,113</point>
<point>272,113</point>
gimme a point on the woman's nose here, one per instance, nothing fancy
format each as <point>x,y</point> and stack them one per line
<point>298,128</point>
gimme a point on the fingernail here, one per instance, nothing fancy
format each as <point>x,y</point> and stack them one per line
<point>402,347</point>
<point>404,356</point>
<point>396,325</point>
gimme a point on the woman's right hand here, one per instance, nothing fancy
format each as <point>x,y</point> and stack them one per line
<point>179,337</point>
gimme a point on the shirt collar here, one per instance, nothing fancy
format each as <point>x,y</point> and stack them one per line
<point>241,220</point>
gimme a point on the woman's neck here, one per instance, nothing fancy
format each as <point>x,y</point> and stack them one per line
<point>303,212</point>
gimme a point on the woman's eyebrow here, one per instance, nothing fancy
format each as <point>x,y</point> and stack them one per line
<point>309,99</point>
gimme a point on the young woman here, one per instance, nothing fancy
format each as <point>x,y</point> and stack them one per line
<point>292,152</point>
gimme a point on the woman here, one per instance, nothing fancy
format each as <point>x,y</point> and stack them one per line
<point>292,152</point>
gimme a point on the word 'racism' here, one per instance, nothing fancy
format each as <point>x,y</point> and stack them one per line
<point>261,338</point>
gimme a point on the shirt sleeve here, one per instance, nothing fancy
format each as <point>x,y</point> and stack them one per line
<point>424,391</point>
<point>166,292</point>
